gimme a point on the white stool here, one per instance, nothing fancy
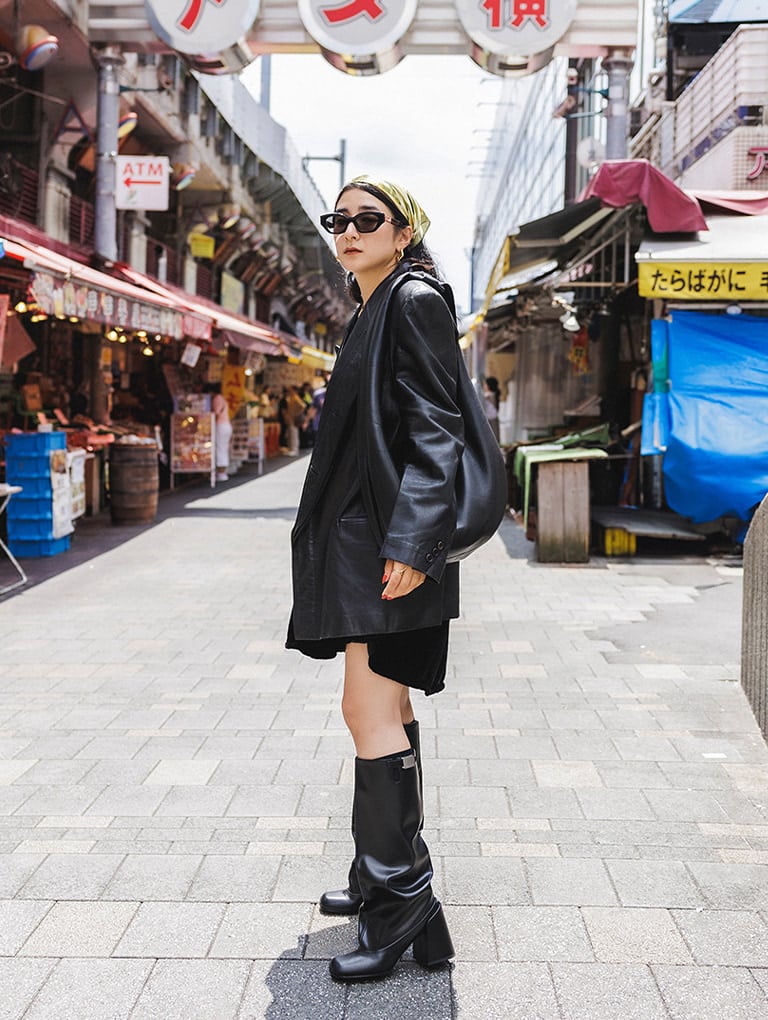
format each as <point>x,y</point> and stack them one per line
<point>6,491</point>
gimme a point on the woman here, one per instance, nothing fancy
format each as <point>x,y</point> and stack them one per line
<point>220,410</point>
<point>370,547</point>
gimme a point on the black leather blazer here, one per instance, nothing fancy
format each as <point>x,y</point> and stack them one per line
<point>402,377</point>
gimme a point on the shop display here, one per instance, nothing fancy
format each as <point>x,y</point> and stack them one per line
<point>192,438</point>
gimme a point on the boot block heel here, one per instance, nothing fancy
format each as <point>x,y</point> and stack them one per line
<point>433,946</point>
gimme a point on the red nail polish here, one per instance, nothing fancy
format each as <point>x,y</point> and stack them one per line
<point>385,578</point>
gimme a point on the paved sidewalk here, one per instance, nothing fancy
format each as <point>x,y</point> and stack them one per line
<point>175,788</point>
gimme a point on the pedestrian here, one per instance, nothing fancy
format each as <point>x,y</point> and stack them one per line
<point>318,399</point>
<point>220,410</point>
<point>293,416</point>
<point>370,571</point>
<point>491,400</point>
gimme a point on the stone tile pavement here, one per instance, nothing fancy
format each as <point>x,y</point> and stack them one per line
<point>175,787</point>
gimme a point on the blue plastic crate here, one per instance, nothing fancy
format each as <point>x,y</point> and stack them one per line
<point>40,527</point>
<point>32,485</point>
<point>22,444</point>
<point>32,548</point>
<point>33,466</point>
<point>22,509</point>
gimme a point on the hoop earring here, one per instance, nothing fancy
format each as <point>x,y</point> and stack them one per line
<point>399,255</point>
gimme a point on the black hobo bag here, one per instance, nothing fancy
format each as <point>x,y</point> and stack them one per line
<point>481,479</point>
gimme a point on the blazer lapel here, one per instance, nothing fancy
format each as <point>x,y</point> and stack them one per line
<point>340,400</point>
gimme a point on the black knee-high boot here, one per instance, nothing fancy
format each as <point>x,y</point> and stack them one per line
<point>347,902</point>
<point>394,872</point>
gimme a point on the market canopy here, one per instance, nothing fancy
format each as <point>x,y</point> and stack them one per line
<point>62,286</point>
<point>543,245</point>
<point>622,182</point>
<point>236,330</point>
<point>728,262</point>
<point>549,243</point>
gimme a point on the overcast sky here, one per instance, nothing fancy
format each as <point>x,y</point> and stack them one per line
<point>422,124</point>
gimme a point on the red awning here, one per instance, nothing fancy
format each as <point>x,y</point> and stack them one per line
<point>623,182</point>
<point>236,329</point>
<point>750,203</point>
<point>17,343</point>
<point>61,285</point>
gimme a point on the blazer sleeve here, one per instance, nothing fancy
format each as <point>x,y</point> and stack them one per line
<point>430,434</point>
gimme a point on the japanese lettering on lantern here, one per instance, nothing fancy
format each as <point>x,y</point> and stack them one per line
<point>706,281</point>
<point>522,11</point>
<point>354,9</point>
<point>189,19</point>
<point>760,152</point>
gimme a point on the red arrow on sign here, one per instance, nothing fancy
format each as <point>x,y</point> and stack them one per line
<point>129,182</point>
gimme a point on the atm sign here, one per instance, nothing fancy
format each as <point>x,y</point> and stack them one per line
<point>142,182</point>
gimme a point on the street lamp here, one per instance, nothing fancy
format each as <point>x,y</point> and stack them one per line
<point>340,159</point>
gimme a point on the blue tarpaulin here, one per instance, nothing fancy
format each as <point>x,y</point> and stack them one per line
<point>710,416</point>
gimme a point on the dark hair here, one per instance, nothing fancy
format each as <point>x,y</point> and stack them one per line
<point>417,256</point>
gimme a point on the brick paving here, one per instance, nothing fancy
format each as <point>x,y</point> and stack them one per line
<point>175,787</point>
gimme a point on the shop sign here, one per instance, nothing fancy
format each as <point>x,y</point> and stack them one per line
<point>357,28</point>
<point>704,281</point>
<point>516,28</point>
<point>142,182</point>
<point>201,246</point>
<point>61,504</point>
<point>65,297</point>
<point>233,387</point>
<point>760,152</point>
<point>201,26</point>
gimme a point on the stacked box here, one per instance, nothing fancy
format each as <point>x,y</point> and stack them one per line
<point>30,513</point>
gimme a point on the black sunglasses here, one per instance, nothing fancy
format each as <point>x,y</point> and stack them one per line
<point>365,222</point>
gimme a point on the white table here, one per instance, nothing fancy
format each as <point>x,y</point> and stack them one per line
<point>6,491</point>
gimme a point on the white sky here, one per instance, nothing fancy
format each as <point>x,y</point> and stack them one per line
<point>422,124</point>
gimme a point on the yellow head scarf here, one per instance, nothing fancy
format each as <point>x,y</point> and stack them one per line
<point>403,201</point>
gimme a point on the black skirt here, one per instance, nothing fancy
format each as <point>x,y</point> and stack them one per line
<point>414,658</point>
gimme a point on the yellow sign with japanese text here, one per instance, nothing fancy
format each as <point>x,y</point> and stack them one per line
<point>704,281</point>
<point>233,387</point>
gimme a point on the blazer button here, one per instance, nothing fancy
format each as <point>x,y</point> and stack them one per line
<point>429,557</point>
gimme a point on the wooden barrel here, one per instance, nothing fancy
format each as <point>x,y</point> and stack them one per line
<point>133,483</point>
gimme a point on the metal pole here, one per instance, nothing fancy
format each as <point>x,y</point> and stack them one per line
<point>266,81</point>
<point>618,68</point>
<point>342,163</point>
<point>108,116</point>
<point>571,138</point>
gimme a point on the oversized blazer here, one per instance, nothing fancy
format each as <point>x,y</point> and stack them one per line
<point>392,395</point>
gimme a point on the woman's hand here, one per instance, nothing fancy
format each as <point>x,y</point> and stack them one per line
<point>400,579</point>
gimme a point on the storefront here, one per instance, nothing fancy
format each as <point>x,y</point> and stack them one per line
<point>83,353</point>
<point>704,420</point>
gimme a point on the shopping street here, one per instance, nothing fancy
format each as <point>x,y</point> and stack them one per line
<point>175,787</point>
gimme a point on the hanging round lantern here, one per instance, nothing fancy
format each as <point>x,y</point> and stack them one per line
<point>36,47</point>
<point>126,124</point>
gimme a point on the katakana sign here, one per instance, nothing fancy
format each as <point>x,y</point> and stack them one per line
<point>516,28</point>
<point>357,27</point>
<point>760,152</point>
<point>705,281</point>
<point>201,26</point>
